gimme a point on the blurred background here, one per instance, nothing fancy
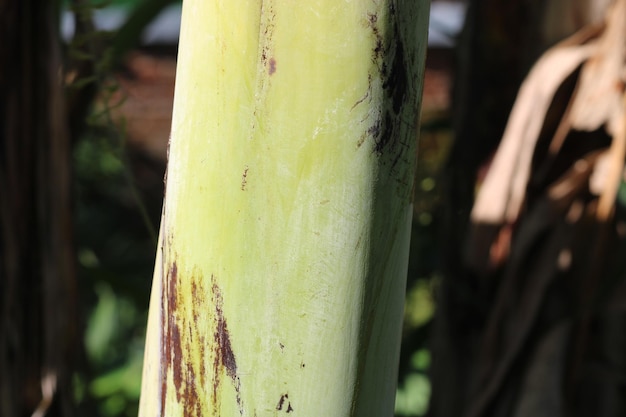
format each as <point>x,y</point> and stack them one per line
<point>516,328</point>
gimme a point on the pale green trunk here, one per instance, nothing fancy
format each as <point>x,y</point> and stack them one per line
<point>280,275</point>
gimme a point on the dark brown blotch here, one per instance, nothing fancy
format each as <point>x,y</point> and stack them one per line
<point>271,66</point>
<point>244,178</point>
<point>170,334</point>
<point>284,401</point>
<point>396,82</point>
<point>224,355</point>
<point>384,133</point>
<point>165,352</point>
<point>175,340</point>
<point>224,350</point>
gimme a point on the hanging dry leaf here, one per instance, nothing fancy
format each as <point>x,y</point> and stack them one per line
<point>597,102</point>
<point>501,195</point>
<point>532,239</point>
<point>598,98</point>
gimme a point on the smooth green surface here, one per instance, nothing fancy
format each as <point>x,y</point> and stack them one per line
<point>287,215</point>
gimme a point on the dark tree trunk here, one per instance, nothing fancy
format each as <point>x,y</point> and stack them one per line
<point>37,278</point>
<point>521,340</point>
<point>489,72</point>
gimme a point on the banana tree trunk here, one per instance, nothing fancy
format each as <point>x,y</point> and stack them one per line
<point>280,274</point>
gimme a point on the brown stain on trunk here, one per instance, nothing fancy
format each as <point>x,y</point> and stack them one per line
<point>168,305</point>
<point>177,340</point>
<point>224,358</point>
<point>271,66</point>
<point>388,55</point>
<point>181,337</point>
<point>284,404</point>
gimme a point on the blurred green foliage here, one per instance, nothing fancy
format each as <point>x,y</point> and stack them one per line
<point>424,269</point>
<point>414,392</point>
<point>113,3</point>
<point>116,258</point>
